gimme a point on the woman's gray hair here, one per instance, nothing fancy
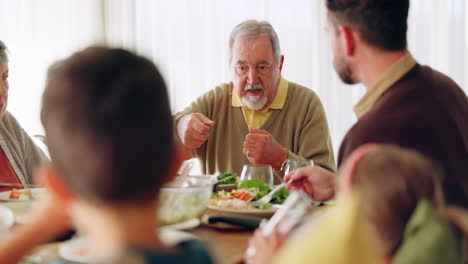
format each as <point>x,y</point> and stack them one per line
<point>3,53</point>
<point>251,29</point>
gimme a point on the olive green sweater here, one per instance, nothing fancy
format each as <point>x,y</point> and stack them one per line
<point>301,127</point>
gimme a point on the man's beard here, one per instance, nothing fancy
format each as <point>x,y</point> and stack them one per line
<point>344,71</point>
<point>254,102</point>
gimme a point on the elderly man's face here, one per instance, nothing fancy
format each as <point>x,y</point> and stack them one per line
<point>3,88</point>
<point>255,71</point>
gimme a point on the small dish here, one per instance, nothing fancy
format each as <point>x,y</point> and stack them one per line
<point>179,204</point>
<point>7,219</point>
<point>36,193</point>
<point>77,249</point>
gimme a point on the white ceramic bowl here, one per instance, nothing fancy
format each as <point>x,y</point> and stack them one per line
<point>179,204</point>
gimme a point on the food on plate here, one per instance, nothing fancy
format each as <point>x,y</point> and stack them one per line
<point>228,177</point>
<point>82,252</point>
<point>247,192</point>
<point>181,204</point>
<point>20,194</point>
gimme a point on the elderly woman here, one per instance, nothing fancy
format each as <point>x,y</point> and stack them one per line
<point>18,153</point>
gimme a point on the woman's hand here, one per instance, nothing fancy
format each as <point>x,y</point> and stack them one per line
<point>317,182</point>
<point>262,248</point>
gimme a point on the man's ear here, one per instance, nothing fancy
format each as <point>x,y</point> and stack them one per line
<point>281,60</point>
<point>50,178</point>
<point>348,40</point>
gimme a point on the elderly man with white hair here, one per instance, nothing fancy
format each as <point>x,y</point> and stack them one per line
<point>259,117</point>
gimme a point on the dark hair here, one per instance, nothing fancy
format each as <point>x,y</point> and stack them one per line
<point>108,124</point>
<point>381,23</point>
<point>392,181</point>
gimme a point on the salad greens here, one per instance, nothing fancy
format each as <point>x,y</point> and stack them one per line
<point>261,189</point>
<point>231,178</point>
<point>249,190</point>
<point>280,196</point>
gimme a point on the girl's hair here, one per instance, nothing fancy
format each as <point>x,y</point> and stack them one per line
<point>3,52</point>
<point>392,181</point>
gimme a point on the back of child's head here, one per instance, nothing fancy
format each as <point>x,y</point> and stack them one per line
<point>108,125</point>
<point>392,181</point>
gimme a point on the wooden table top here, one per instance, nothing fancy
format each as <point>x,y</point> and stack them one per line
<point>226,246</point>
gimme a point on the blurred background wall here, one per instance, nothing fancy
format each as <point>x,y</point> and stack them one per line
<point>188,40</point>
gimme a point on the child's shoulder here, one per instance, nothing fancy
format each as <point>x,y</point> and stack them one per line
<point>191,251</point>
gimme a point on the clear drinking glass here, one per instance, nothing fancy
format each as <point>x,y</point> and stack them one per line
<point>296,164</point>
<point>263,173</point>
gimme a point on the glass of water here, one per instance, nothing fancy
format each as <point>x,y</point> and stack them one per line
<point>263,173</point>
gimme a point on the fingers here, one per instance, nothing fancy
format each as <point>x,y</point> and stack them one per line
<point>250,155</point>
<point>259,248</point>
<point>205,120</point>
<point>317,182</point>
<point>257,131</point>
<point>198,124</point>
<point>287,177</point>
<point>295,175</point>
<point>299,178</point>
<point>194,129</point>
<point>263,148</point>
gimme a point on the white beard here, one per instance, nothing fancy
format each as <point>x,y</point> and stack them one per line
<point>254,102</point>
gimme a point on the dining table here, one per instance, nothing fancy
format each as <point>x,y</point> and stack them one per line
<point>226,243</point>
<point>225,246</point>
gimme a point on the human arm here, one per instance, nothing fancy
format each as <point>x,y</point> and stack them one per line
<point>202,106</point>
<point>47,222</point>
<point>300,133</point>
<point>316,181</point>
<point>193,129</point>
<point>262,248</point>
<point>260,147</point>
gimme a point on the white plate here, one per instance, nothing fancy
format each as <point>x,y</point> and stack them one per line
<point>77,249</point>
<point>252,212</point>
<point>36,194</point>
<point>7,219</point>
<point>186,225</point>
<point>171,237</point>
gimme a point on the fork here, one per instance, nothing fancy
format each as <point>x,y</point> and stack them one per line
<point>267,198</point>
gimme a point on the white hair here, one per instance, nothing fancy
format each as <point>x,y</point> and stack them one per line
<point>3,53</point>
<point>251,29</point>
